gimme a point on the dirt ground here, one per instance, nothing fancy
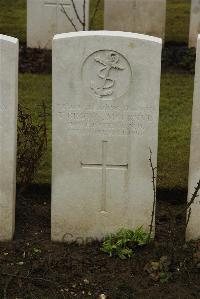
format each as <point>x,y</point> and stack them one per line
<point>34,60</point>
<point>34,267</point>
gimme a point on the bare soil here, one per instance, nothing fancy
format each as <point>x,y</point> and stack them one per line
<point>34,61</point>
<point>34,267</point>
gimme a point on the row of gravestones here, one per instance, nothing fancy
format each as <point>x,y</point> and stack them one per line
<point>106,90</point>
<point>45,18</point>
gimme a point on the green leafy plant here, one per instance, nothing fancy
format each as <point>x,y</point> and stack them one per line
<point>140,236</point>
<point>123,243</point>
<point>159,270</point>
<point>37,251</point>
<point>164,277</point>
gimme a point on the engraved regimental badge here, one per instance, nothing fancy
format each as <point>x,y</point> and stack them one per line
<point>106,74</point>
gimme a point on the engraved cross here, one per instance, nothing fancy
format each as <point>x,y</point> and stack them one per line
<point>104,166</point>
<point>57,5</point>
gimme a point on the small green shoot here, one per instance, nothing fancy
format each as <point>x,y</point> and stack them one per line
<point>123,243</point>
<point>164,277</point>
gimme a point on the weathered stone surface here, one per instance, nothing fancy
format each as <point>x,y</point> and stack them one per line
<point>194,22</point>
<point>193,228</point>
<point>8,124</point>
<point>106,88</point>
<point>45,19</point>
<point>140,16</point>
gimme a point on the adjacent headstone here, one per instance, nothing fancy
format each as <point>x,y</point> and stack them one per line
<point>8,128</point>
<point>45,18</point>
<point>194,22</point>
<point>193,228</point>
<point>106,88</point>
<point>141,16</point>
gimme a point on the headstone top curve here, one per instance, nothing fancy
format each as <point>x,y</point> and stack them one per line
<point>9,39</point>
<point>109,33</point>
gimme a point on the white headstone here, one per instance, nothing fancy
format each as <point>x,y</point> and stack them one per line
<point>193,228</point>
<point>194,22</point>
<point>45,18</point>
<point>141,16</point>
<point>106,88</point>
<point>8,127</point>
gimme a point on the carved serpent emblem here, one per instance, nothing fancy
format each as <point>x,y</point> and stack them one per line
<point>108,64</point>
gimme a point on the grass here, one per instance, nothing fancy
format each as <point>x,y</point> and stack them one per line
<point>174,130</point>
<point>174,125</point>
<point>33,90</point>
<point>98,21</point>
<point>177,20</point>
<point>13,19</point>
